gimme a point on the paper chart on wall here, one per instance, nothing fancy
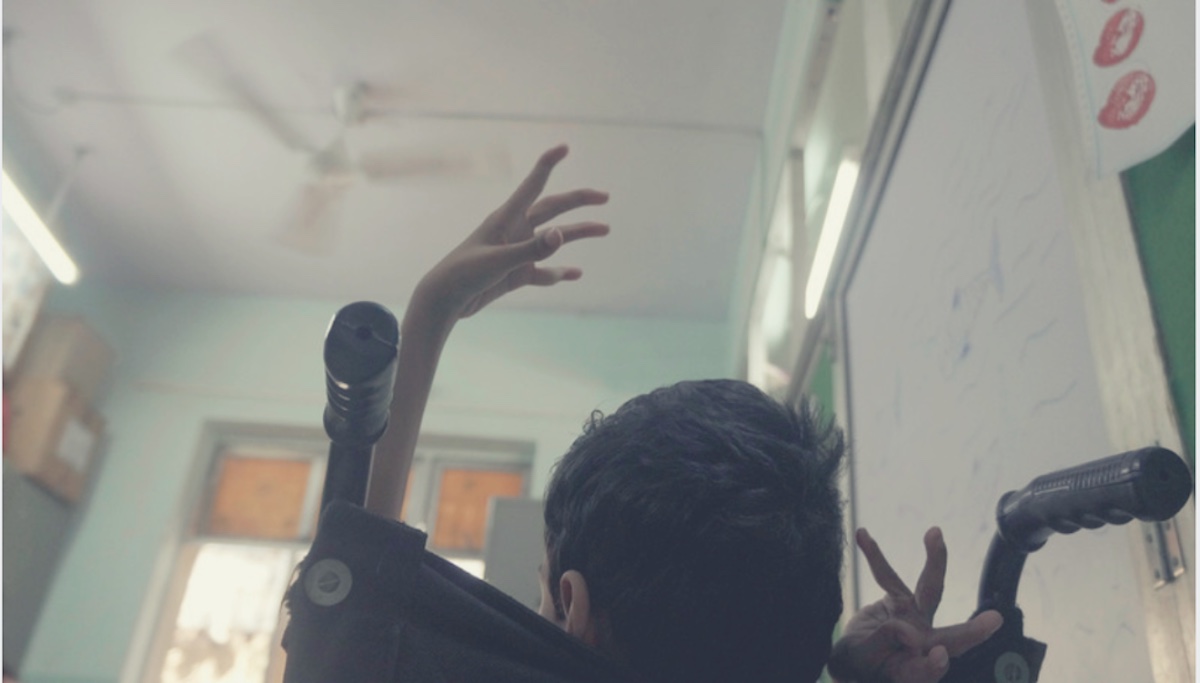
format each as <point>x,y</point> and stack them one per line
<point>1133,74</point>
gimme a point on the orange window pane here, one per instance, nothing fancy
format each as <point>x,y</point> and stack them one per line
<point>259,497</point>
<point>463,505</point>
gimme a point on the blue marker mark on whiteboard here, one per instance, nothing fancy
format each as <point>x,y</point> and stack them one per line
<point>997,273</point>
<point>1053,399</point>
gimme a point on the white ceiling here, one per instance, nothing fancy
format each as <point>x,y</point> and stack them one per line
<point>662,103</point>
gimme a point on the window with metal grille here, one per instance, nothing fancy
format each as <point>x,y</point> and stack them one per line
<point>253,522</point>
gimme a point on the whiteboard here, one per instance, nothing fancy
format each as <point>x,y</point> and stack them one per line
<point>968,358</point>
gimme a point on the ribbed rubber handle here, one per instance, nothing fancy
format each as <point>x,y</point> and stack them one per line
<point>360,368</point>
<point>1147,484</point>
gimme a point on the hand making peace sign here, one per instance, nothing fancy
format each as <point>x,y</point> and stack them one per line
<point>893,640</point>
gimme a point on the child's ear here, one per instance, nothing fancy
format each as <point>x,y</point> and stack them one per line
<point>580,621</point>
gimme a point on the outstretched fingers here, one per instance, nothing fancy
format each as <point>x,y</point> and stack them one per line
<point>548,208</point>
<point>539,247</point>
<point>959,638</point>
<point>545,242</point>
<point>533,185</point>
<point>933,576</point>
<point>579,231</point>
<point>544,277</point>
<point>538,277</point>
<point>885,576</point>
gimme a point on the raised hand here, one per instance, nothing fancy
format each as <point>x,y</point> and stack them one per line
<point>502,253</point>
<point>499,256</point>
<point>893,640</point>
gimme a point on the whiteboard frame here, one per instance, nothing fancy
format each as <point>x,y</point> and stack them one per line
<point>905,76</point>
<point>907,71</point>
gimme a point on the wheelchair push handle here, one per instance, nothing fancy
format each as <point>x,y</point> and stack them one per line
<point>360,368</point>
<point>361,347</point>
<point>1150,484</point>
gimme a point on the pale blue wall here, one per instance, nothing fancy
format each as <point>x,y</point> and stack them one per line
<point>188,359</point>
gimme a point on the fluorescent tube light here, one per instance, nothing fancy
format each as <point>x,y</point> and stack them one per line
<point>43,241</point>
<point>831,233</point>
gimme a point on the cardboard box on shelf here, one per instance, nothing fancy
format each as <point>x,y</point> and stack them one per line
<point>67,348</point>
<point>51,436</point>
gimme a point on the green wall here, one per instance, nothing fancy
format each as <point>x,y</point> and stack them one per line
<point>820,385</point>
<point>1162,202</point>
<point>185,360</point>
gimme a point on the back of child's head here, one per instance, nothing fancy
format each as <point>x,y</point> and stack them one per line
<point>706,520</point>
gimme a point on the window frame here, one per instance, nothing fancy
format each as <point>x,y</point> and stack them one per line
<point>216,439</point>
<point>434,454</point>
<point>439,467</point>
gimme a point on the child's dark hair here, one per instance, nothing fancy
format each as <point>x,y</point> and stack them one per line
<point>706,520</point>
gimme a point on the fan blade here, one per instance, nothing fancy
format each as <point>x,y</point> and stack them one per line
<point>331,164</point>
<point>312,226</point>
<point>376,96</point>
<point>203,56</point>
<point>407,163</point>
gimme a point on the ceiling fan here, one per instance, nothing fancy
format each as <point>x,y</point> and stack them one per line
<point>333,168</point>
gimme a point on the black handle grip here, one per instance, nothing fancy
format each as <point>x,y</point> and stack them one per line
<point>360,368</point>
<point>1148,484</point>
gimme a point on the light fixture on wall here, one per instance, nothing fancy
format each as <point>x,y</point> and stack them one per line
<point>831,234</point>
<point>770,329</point>
<point>39,236</point>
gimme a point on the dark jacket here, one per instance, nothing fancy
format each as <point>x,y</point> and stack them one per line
<point>371,605</point>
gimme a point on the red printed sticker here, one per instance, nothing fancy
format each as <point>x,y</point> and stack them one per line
<point>1121,34</point>
<point>1129,100</point>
